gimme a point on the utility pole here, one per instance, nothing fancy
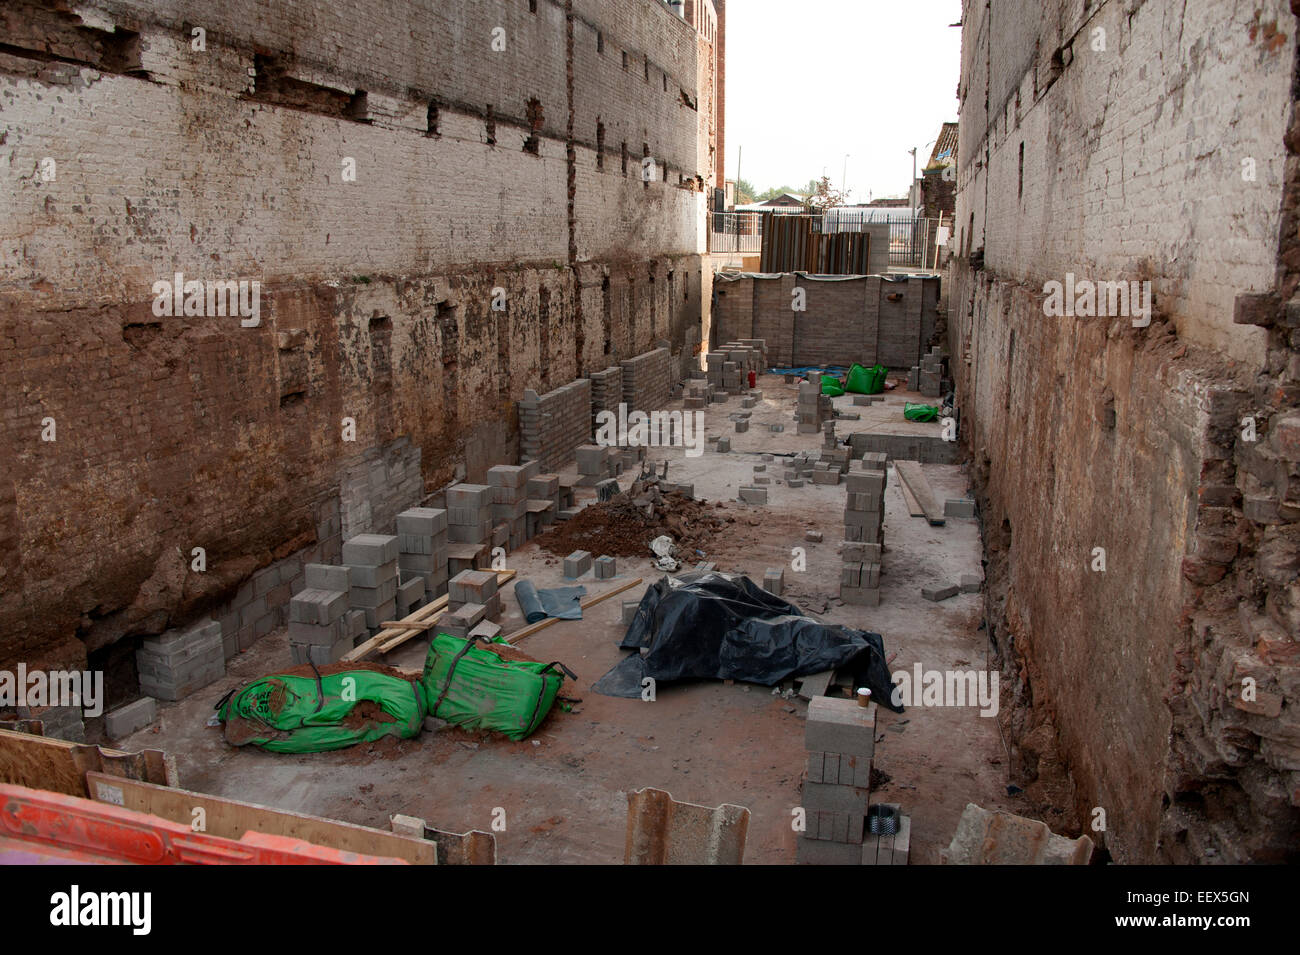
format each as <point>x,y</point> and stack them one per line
<point>911,186</point>
<point>844,176</point>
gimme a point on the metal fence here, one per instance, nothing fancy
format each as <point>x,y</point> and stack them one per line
<point>911,238</point>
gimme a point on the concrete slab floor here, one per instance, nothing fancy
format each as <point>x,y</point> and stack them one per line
<point>564,790</point>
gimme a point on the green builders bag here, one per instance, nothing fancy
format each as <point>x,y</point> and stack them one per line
<point>866,381</point>
<point>311,714</point>
<point>475,688</point>
<point>831,386</point>
<point>915,412</point>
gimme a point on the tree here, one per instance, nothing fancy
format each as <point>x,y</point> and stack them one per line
<point>824,196</point>
<point>774,192</point>
<point>744,192</point>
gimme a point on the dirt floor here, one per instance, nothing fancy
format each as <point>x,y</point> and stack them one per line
<point>564,791</point>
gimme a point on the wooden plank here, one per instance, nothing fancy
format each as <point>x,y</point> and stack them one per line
<point>392,637</point>
<point>910,473</point>
<point>913,508</point>
<point>815,684</point>
<point>231,819</point>
<point>43,762</point>
<point>531,629</point>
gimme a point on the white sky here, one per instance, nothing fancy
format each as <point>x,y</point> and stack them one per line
<point>811,80</point>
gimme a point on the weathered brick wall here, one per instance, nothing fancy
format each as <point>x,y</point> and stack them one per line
<point>177,432</point>
<point>1126,163</point>
<point>647,380</point>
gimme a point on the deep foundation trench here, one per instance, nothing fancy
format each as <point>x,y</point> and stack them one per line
<point>564,790</point>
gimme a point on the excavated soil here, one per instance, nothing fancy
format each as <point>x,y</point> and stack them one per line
<point>625,525</point>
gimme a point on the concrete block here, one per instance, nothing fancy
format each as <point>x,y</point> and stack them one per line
<point>837,725</point>
<point>833,797</point>
<point>860,596</point>
<point>468,495</point>
<point>125,720</point>
<point>577,564</point>
<point>326,577</point>
<point>971,583</point>
<point>826,477</point>
<point>605,568</point>
<point>320,607</point>
<point>753,495</point>
<point>811,851</point>
<point>485,629</point>
<point>422,522</point>
<point>961,507</point>
<point>363,597</point>
<point>940,592</point>
<point>629,611</point>
<point>742,426</point>
<point>472,586</point>
<point>371,550</point>
<point>363,575</point>
<point>724,445</point>
<point>774,580</point>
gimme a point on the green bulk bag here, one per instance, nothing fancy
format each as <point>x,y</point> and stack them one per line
<point>311,714</point>
<point>831,386</point>
<point>916,412</point>
<point>858,380</point>
<point>876,383</point>
<point>476,689</point>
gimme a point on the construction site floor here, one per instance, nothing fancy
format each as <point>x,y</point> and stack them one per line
<point>563,792</point>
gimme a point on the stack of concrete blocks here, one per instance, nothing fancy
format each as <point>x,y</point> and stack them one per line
<point>543,492</point>
<point>322,624</point>
<point>422,549</point>
<point>469,513</point>
<point>698,395</point>
<point>179,662</point>
<point>59,722</point>
<point>606,392</point>
<point>509,484</point>
<point>472,598</point>
<point>812,408</point>
<point>553,425</point>
<point>839,737</point>
<point>929,374</point>
<point>798,470</point>
<point>125,720</point>
<point>713,364</point>
<point>372,576</point>
<point>928,449</point>
<point>596,464</point>
<point>647,381</point>
<point>864,514</point>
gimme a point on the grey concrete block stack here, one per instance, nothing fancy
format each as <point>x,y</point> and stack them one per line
<point>812,407</point>
<point>864,514</point>
<point>839,737</point>
<point>928,449</point>
<point>714,363</point>
<point>543,495</point>
<point>699,394</point>
<point>509,483</point>
<point>577,564</point>
<point>552,425</point>
<point>929,375</point>
<point>178,662</point>
<point>596,464</point>
<point>473,597</point>
<point>422,549</point>
<point>469,513</point>
<point>371,560</point>
<point>323,625</point>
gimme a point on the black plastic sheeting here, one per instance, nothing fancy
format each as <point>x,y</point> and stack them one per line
<point>707,625</point>
<point>562,602</point>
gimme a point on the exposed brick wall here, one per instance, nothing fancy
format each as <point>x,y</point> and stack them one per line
<point>376,294</point>
<point>553,425</point>
<point>1123,687</point>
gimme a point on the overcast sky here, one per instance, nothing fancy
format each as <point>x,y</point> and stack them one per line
<point>811,80</point>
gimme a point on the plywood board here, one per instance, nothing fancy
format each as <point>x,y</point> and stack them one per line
<point>231,819</point>
<point>42,762</point>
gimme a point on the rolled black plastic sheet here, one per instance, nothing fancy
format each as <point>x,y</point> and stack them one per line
<point>529,602</point>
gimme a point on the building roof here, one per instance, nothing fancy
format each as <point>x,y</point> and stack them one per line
<point>945,147</point>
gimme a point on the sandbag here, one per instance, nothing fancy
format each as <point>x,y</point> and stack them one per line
<point>472,687</point>
<point>331,709</point>
<point>866,381</point>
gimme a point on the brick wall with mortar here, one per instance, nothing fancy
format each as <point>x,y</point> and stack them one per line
<point>1123,687</point>
<point>177,432</point>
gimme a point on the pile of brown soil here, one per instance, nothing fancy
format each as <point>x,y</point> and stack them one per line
<point>625,525</point>
<point>365,713</point>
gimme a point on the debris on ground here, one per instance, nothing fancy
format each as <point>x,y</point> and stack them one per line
<point>625,525</point>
